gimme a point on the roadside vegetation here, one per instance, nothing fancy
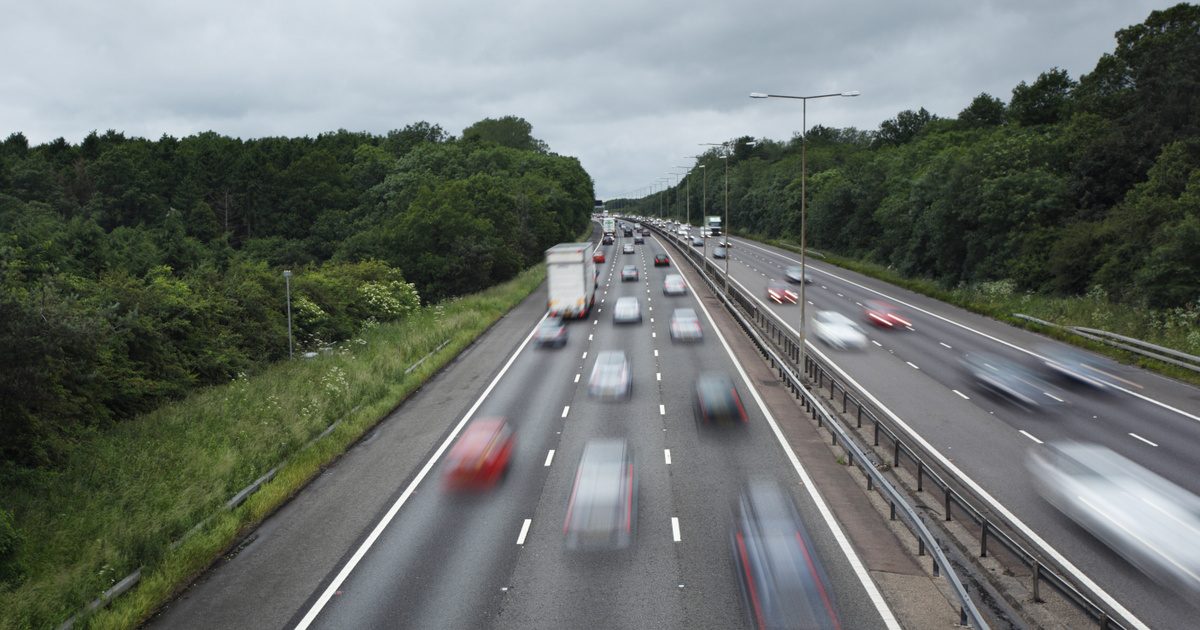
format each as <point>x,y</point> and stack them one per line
<point>1078,200</point>
<point>127,493</point>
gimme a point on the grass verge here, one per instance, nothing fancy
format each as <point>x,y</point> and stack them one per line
<point>134,489</point>
<point>1177,328</point>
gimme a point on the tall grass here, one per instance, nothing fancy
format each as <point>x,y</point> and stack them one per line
<point>1177,328</point>
<point>128,492</point>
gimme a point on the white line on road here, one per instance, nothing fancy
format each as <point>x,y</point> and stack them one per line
<point>524,531</point>
<point>1136,436</point>
<point>1053,396</point>
<point>362,550</point>
<point>914,366</point>
<point>658,376</point>
<point>651,320</point>
<point>662,410</point>
<point>549,457</point>
<point>965,397</point>
<point>944,344</point>
<point>656,352</point>
<point>584,354</point>
<point>667,455</point>
<point>589,337</point>
<point>877,343</point>
<point>1030,436</point>
<point>654,334</point>
<point>675,528</point>
<point>576,378</point>
<point>565,410</point>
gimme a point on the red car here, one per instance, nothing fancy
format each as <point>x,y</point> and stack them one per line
<point>481,455</point>
<point>884,315</point>
<point>661,260</point>
<point>598,257</point>
<point>781,293</point>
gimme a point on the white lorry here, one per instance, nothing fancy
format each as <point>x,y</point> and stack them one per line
<point>572,280</point>
<point>712,226</point>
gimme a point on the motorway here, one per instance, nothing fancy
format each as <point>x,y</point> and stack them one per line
<point>428,558</point>
<point>916,375</point>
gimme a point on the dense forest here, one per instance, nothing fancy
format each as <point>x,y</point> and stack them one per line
<point>132,271</point>
<point>1071,187</point>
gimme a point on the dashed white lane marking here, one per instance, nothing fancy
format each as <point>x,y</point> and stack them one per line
<point>810,302</point>
<point>1030,436</point>
<point>965,397</point>
<point>584,354</point>
<point>595,322</point>
<point>658,376</point>
<point>1053,396</point>
<point>589,337</point>
<point>662,410</point>
<point>566,410</point>
<point>877,343</point>
<point>654,334</point>
<point>914,366</point>
<point>651,320</point>
<point>524,531</point>
<point>840,295</point>
<point>675,528</point>
<point>944,344</point>
<point>656,352</point>
<point>549,457</point>
<point>667,455</point>
<point>1138,437</point>
<point>576,378</point>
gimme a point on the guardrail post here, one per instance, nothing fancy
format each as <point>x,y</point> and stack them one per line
<point>962,615</point>
<point>859,426</point>
<point>876,433</point>
<point>920,475</point>
<point>896,454</point>
<point>936,570</point>
<point>893,504</point>
<point>947,503</point>
<point>1037,579</point>
<point>870,481</point>
<point>844,394</point>
<point>983,538</point>
<point>920,546</point>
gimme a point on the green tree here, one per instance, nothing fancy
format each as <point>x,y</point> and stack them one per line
<point>508,131</point>
<point>1046,101</point>
<point>984,111</point>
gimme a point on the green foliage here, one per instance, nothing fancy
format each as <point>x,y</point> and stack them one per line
<point>135,271</point>
<point>1045,102</point>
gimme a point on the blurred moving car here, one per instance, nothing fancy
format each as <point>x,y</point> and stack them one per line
<point>629,272</point>
<point>661,260</point>
<point>673,284</point>
<point>697,241</point>
<point>1148,520</point>
<point>836,330</point>
<point>717,400</point>
<point>607,240</point>
<point>645,231</point>
<point>995,374</point>
<point>780,292</point>
<point>639,239</point>
<point>794,273</point>
<point>598,257</point>
<point>551,332</point>
<point>1082,367</point>
<point>610,379</point>
<point>685,325</point>
<point>602,510</point>
<point>481,456</point>
<point>627,310</point>
<point>719,252</point>
<point>884,315</point>
<point>627,248</point>
<point>783,582</point>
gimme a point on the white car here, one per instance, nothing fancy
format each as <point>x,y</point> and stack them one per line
<point>838,331</point>
<point>627,310</point>
<point>673,284</point>
<point>685,325</point>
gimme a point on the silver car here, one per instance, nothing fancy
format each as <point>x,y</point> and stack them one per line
<point>685,325</point>
<point>602,510</point>
<point>673,284</point>
<point>1151,522</point>
<point>611,378</point>
<point>627,311</point>
<point>838,331</point>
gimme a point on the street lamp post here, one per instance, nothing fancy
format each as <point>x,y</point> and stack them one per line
<point>803,196</point>
<point>287,279</point>
<point>687,194</point>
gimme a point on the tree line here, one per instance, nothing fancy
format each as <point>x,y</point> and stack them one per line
<point>132,270</point>
<point>1072,186</point>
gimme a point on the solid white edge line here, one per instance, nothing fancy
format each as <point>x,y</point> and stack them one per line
<point>524,531</point>
<point>983,334</point>
<point>549,458</point>
<point>979,491</point>
<point>964,396</point>
<point>843,542</point>
<point>675,528</point>
<point>1138,437</point>
<point>1030,436</point>
<point>312,613</point>
<point>667,456</point>
<point>566,410</point>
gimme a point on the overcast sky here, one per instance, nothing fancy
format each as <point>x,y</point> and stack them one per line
<point>629,87</point>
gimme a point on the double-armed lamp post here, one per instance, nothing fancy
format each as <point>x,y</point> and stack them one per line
<point>803,195</point>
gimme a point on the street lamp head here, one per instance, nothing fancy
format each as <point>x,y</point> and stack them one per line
<point>287,273</point>
<point>758,95</point>
<point>703,165</point>
<point>851,93</point>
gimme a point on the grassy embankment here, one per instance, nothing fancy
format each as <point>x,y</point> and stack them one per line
<point>1176,328</point>
<point>137,487</point>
